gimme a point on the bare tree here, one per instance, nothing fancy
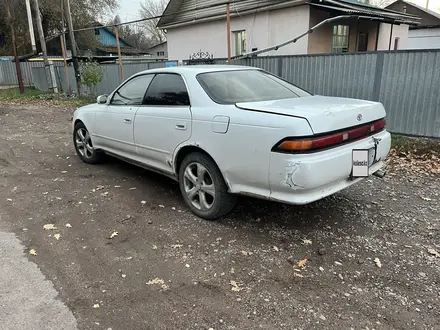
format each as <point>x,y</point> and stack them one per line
<point>152,8</point>
<point>378,3</point>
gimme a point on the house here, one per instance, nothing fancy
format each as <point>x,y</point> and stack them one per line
<point>159,50</point>
<point>427,34</point>
<point>104,49</point>
<point>107,45</point>
<point>193,27</point>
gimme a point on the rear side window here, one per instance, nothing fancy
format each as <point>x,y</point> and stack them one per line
<point>167,89</point>
<point>235,86</point>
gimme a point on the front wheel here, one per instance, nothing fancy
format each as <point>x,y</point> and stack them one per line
<point>203,188</point>
<point>83,145</point>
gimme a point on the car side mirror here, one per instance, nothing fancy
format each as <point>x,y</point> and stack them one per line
<point>101,99</point>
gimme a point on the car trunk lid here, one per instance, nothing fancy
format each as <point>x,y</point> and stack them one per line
<point>324,114</point>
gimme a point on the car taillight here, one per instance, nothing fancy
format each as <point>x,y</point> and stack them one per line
<point>309,144</point>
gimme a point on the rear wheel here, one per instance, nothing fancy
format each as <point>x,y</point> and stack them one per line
<point>83,145</point>
<point>203,188</point>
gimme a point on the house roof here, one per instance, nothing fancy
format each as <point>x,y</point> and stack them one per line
<point>159,44</point>
<point>124,50</point>
<point>428,11</point>
<point>185,12</point>
<point>190,11</point>
<point>357,8</point>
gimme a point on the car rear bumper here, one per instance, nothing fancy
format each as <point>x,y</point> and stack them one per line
<point>304,178</point>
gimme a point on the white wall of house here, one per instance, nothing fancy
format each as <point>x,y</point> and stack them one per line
<point>263,29</point>
<point>424,38</point>
<point>399,31</point>
<point>160,50</point>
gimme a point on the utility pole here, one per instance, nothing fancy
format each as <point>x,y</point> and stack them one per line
<point>228,31</point>
<point>14,47</point>
<point>121,71</point>
<point>73,46</point>
<point>31,26</point>
<point>41,34</point>
<point>47,66</point>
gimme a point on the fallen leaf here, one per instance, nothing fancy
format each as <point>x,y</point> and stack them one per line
<point>9,199</point>
<point>156,281</point>
<point>235,286</point>
<point>96,306</point>
<point>143,202</point>
<point>68,225</point>
<point>123,275</point>
<point>321,269</point>
<point>133,188</point>
<point>276,249</point>
<point>377,262</point>
<point>117,186</point>
<point>187,266</point>
<point>161,206</point>
<point>57,236</point>
<point>49,226</point>
<point>298,275</point>
<point>104,194</point>
<point>434,253</point>
<point>307,242</point>
<point>302,263</point>
<point>426,199</point>
<point>33,252</point>
<point>176,246</point>
<point>114,234</point>
<point>244,253</point>
<point>154,247</point>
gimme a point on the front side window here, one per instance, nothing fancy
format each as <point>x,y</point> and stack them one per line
<point>235,86</point>
<point>167,89</point>
<point>160,53</point>
<point>340,38</point>
<point>240,42</point>
<point>132,92</point>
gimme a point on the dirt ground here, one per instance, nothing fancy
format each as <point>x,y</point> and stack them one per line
<point>167,269</point>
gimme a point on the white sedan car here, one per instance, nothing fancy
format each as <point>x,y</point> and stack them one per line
<point>223,131</point>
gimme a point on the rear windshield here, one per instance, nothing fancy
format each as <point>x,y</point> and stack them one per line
<point>230,87</point>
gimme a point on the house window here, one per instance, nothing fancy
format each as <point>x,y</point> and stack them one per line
<point>160,53</point>
<point>240,42</point>
<point>396,43</point>
<point>96,32</point>
<point>340,38</point>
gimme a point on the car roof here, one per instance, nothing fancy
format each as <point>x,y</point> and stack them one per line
<point>196,69</point>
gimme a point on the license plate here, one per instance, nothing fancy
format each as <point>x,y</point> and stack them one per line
<point>360,163</point>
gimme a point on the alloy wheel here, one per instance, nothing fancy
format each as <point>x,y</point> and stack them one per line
<point>84,143</point>
<point>199,186</point>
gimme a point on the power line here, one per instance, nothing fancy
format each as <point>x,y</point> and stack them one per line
<point>182,12</point>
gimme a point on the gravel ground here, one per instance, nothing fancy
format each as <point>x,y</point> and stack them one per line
<point>362,259</point>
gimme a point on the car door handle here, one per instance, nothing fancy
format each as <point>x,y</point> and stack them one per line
<point>127,120</point>
<point>181,126</point>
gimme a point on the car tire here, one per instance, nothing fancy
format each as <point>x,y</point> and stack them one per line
<point>83,145</point>
<point>203,187</point>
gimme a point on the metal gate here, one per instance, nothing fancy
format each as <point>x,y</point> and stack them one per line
<point>200,58</point>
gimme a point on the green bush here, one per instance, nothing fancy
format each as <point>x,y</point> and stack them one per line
<point>91,75</point>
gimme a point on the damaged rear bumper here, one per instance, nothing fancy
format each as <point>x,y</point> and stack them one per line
<point>304,178</point>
